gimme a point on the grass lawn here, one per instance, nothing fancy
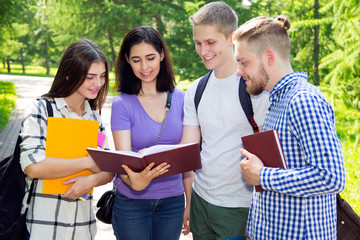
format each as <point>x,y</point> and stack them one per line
<point>7,101</point>
<point>16,69</point>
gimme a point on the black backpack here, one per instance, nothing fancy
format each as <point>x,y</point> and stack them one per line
<point>12,191</point>
<point>244,98</point>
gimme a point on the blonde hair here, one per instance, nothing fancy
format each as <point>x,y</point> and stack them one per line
<point>219,14</point>
<point>262,33</point>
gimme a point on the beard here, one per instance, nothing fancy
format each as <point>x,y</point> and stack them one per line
<point>258,82</point>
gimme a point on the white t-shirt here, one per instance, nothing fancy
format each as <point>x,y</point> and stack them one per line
<point>223,123</point>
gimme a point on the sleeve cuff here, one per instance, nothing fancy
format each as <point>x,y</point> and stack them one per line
<point>265,178</point>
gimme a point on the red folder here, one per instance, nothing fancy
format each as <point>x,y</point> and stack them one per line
<point>266,146</point>
<point>182,158</point>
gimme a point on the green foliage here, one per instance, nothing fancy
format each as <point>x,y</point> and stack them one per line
<point>44,29</point>
<point>348,128</point>
<point>344,61</point>
<point>7,101</point>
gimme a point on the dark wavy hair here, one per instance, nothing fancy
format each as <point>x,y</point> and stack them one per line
<point>73,69</point>
<point>126,81</point>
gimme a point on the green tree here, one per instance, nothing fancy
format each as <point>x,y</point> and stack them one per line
<point>344,61</point>
<point>11,29</point>
<point>11,46</point>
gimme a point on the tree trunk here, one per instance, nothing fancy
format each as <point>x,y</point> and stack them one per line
<point>113,54</point>
<point>8,65</point>
<point>47,64</point>
<point>316,45</point>
<point>22,60</point>
<point>159,24</point>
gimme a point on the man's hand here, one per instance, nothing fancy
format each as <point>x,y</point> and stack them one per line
<point>250,168</point>
<point>186,221</point>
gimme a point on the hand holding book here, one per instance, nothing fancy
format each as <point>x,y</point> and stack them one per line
<point>140,180</point>
<point>265,150</point>
<point>250,168</point>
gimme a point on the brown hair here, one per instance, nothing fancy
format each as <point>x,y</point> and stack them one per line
<point>126,81</point>
<point>73,69</point>
<point>219,14</point>
<point>263,33</point>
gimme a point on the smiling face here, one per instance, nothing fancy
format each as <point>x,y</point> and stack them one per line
<point>145,61</point>
<point>212,46</point>
<point>251,68</point>
<point>94,81</point>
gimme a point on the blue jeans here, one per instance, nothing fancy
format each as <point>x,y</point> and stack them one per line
<point>148,219</point>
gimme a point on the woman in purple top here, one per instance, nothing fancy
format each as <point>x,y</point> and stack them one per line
<point>148,208</point>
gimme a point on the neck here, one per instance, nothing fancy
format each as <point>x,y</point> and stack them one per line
<point>227,68</point>
<point>75,103</point>
<point>278,73</point>
<point>148,89</point>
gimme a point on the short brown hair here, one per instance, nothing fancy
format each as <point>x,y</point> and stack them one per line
<point>263,33</point>
<point>219,14</point>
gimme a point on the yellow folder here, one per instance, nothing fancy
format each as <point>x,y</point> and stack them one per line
<point>68,138</point>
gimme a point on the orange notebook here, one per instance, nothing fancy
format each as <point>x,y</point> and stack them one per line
<point>68,138</point>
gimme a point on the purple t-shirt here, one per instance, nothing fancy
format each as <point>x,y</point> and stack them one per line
<point>127,113</point>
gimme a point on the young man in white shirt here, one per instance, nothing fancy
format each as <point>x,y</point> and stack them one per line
<point>221,197</point>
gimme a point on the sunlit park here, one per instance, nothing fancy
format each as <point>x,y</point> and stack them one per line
<point>325,42</point>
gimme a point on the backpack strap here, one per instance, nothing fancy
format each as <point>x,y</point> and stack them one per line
<point>200,89</point>
<point>244,98</point>
<point>49,108</point>
<point>245,102</point>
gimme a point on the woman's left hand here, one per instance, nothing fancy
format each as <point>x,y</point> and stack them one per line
<point>139,181</point>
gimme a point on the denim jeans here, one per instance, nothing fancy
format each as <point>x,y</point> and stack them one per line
<point>148,219</point>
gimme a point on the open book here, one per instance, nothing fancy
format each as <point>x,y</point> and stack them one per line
<point>266,146</point>
<point>182,158</point>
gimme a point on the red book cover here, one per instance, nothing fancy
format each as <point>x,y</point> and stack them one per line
<point>182,158</point>
<point>266,146</point>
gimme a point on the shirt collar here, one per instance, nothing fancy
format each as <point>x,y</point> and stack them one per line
<point>63,106</point>
<point>285,81</point>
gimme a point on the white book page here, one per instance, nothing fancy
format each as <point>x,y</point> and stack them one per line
<point>279,147</point>
<point>162,148</point>
<point>127,153</point>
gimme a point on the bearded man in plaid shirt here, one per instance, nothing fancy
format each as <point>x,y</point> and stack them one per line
<point>298,202</point>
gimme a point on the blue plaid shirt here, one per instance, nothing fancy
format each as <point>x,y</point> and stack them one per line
<point>300,202</point>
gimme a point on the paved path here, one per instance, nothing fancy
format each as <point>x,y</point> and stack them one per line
<point>28,88</point>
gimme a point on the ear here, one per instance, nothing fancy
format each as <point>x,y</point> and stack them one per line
<point>162,55</point>
<point>270,57</point>
<point>231,38</point>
